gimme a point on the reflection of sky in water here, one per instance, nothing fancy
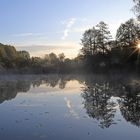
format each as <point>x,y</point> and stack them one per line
<point>46,112</point>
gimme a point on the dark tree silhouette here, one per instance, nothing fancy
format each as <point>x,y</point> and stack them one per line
<point>104,36</point>
<point>96,40</point>
<point>89,42</point>
<point>128,33</point>
<point>127,38</point>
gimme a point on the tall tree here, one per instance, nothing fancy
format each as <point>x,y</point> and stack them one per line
<point>24,55</point>
<point>137,8</point>
<point>61,57</point>
<point>96,40</point>
<point>127,37</point>
<point>53,58</point>
<point>89,42</point>
<point>128,33</point>
<point>8,55</point>
<point>104,36</point>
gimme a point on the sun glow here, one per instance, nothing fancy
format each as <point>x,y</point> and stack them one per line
<point>138,46</point>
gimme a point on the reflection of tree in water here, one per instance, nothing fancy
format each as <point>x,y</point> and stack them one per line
<point>97,94</point>
<point>55,80</point>
<point>62,83</point>
<point>36,83</point>
<point>52,81</point>
<point>98,104</point>
<point>130,105</point>
<point>23,86</point>
<point>9,89</point>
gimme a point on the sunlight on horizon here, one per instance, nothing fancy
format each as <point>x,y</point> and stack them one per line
<point>139,46</point>
<point>70,50</point>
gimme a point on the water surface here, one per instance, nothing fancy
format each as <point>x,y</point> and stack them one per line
<point>70,107</point>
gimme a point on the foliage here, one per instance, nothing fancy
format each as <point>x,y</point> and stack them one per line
<point>136,8</point>
<point>95,40</point>
<point>99,50</point>
<point>128,33</point>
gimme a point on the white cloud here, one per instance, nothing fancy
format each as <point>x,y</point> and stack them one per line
<point>69,25</point>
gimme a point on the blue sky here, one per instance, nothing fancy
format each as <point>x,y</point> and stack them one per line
<point>43,26</point>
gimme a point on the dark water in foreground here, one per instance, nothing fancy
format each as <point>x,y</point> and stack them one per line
<point>66,107</point>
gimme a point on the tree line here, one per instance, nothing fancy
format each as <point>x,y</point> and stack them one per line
<point>12,60</point>
<point>100,50</point>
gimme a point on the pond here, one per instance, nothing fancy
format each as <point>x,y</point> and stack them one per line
<point>70,107</point>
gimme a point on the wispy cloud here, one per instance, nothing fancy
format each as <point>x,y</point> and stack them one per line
<point>69,25</point>
<point>27,34</point>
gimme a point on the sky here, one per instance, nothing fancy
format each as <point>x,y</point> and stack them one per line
<point>44,26</point>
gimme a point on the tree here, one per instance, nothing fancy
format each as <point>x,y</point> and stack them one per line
<point>127,37</point>
<point>24,55</point>
<point>128,33</point>
<point>36,61</point>
<point>104,36</point>
<point>7,52</point>
<point>8,55</point>
<point>23,59</point>
<point>96,40</point>
<point>137,8</point>
<point>89,42</point>
<point>61,57</point>
<point>53,58</point>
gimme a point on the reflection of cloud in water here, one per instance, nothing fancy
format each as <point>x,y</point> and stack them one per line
<point>29,105</point>
<point>71,110</point>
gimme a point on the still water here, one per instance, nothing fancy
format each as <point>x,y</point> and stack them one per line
<point>70,107</point>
